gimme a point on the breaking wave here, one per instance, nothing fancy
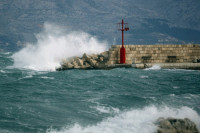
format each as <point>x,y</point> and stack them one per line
<point>154,67</point>
<point>133,121</point>
<point>53,45</point>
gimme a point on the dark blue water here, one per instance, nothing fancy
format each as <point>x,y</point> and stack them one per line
<point>94,101</point>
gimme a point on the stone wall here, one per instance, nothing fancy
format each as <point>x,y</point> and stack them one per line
<point>187,53</point>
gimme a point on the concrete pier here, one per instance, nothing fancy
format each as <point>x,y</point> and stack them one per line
<point>193,66</point>
<point>172,56</point>
<point>184,56</point>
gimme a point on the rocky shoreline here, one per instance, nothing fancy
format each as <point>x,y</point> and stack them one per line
<point>173,125</point>
<point>93,61</point>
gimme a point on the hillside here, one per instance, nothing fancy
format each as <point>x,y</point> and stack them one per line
<point>150,22</point>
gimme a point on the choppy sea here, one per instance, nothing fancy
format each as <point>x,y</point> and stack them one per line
<point>94,101</point>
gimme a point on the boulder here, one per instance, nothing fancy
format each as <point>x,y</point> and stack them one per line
<point>104,54</point>
<point>90,59</point>
<point>78,61</point>
<point>164,123</point>
<point>86,65</point>
<point>67,65</point>
<point>173,125</point>
<point>92,62</point>
<point>74,64</point>
<point>101,59</point>
<point>77,67</point>
<point>94,56</point>
<point>86,57</point>
<point>86,61</point>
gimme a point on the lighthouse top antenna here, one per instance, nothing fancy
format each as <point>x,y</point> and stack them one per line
<point>123,27</point>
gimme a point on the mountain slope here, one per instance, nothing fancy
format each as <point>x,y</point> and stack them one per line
<point>150,22</point>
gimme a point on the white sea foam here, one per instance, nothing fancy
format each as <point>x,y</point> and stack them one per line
<point>2,71</point>
<point>172,95</point>
<point>31,74</point>
<point>103,109</point>
<point>133,121</point>
<point>53,45</point>
<point>181,70</point>
<point>44,77</point>
<point>176,87</point>
<point>144,76</point>
<point>187,97</point>
<point>154,67</point>
<point>7,53</point>
<point>153,98</point>
<point>26,77</point>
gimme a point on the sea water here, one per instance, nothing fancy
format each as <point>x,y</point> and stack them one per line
<point>34,98</point>
<point>94,101</point>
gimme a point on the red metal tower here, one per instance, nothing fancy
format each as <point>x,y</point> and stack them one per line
<point>122,49</point>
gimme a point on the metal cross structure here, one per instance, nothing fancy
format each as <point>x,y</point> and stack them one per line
<point>122,49</point>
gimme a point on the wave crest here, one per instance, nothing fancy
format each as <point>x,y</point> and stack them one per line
<point>133,121</point>
<point>53,45</point>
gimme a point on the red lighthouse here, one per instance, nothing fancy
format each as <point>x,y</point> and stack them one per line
<point>122,49</point>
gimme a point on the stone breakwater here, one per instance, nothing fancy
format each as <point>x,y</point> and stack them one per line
<point>185,56</point>
<point>135,54</point>
<point>94,61</point>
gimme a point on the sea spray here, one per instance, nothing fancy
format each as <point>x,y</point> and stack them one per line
<point>134,121</point>
<point>53,45</point>
<point>154,67</point>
